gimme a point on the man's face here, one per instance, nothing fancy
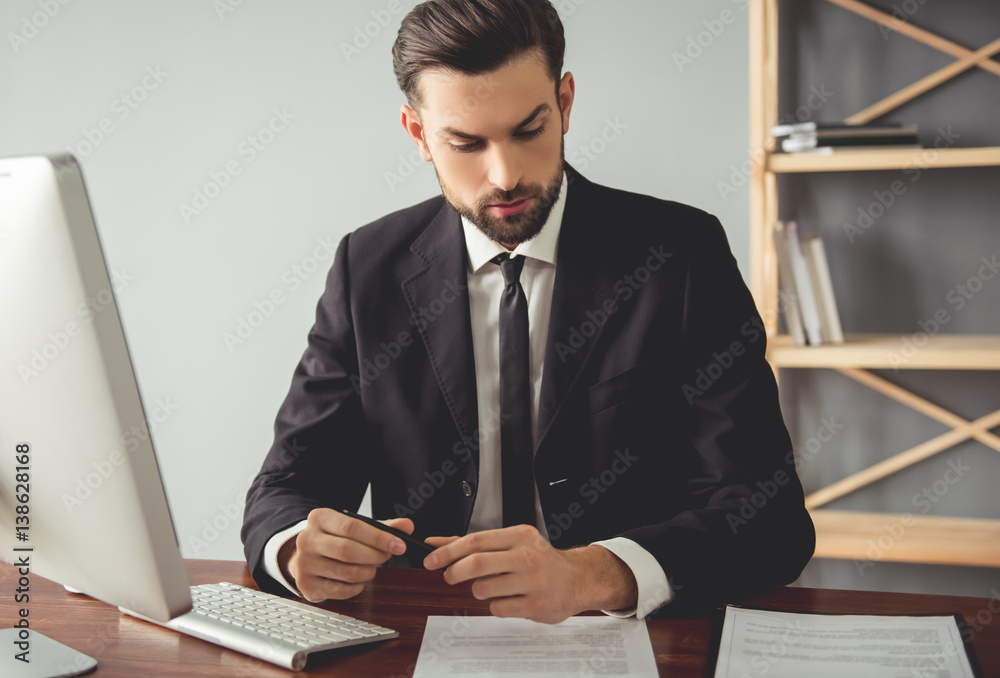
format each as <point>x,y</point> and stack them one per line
<point>496,141</point>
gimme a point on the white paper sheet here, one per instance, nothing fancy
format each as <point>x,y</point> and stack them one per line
<point>789,645</point>
<point>485,647</point>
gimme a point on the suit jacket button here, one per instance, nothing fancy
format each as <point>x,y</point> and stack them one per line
<point>466,488</point>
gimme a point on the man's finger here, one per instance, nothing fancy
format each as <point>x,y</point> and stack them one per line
<point>341,549</point>
<point>340,525</point>
<point>402,524</point>
<point>483,542</point>
<point>479,565</point>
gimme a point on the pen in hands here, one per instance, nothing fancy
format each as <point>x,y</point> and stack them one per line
<point>337,553</point>
<point>515,568</point>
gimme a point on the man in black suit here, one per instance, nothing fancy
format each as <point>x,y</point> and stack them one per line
<point>562,386</point>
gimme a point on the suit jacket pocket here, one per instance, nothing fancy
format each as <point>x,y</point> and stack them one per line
<point>618,388</point>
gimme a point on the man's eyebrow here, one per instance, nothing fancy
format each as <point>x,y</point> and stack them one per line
<point>451,131</point>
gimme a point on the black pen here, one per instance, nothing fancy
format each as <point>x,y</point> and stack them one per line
<point>423,549</point>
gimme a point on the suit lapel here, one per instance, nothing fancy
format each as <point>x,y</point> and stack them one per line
<point>447,335</point>
<point>583,284</point>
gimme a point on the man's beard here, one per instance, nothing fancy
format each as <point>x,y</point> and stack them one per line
<point>517,228</point>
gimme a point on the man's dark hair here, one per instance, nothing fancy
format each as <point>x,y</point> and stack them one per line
<point>475,37</point>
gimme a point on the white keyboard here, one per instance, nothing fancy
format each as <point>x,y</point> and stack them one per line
<point>275,629</point>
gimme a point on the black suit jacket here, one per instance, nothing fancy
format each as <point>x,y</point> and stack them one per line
<point>658,416</point>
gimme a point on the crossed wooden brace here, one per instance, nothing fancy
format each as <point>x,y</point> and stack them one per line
<point>966,59</point>
<point>962,429</point>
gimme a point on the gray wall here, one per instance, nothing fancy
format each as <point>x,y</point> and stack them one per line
<point>188,282</point>
<point>674,73</point>
<point>898,273</point>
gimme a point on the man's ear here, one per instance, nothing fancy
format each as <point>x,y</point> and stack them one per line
<point>411,123</point>
<point>566,94</point>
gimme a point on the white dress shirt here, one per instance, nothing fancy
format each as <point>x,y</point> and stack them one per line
<point>486,285</point>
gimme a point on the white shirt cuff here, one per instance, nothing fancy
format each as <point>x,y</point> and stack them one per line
<point>654,589</point>
<point>271,549</point>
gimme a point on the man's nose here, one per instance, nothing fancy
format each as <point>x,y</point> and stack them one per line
<point>505,168</point>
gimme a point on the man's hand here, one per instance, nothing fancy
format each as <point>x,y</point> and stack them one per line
<point>336,554</point>
<point>522,575</point>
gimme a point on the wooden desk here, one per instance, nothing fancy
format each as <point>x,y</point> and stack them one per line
<point>402,600</point>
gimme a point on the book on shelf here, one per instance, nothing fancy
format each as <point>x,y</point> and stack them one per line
<point>822,285</point>
<point>803,142</point>
<point>788,297</point>
<point>841,127</point>
<point>800,140</point>
<point>832,150</point>
<point>806,288</point>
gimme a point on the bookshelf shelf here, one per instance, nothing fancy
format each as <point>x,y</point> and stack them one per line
<point>926,539</point>
<point>880,159</point>
<point>892,351</point>
<point>906,538</point>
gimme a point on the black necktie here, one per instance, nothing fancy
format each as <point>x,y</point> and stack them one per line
<point>516,446</point>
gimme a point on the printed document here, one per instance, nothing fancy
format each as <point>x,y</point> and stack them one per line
<point>789,645</point>
<point>485,647</point>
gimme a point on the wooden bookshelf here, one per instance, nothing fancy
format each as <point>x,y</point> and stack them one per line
<point>868,538</point>
<point>892,351</point>
<point>842,534</point>
<point>884,159</point>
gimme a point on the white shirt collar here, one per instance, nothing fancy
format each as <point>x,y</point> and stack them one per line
<point>542,247</point>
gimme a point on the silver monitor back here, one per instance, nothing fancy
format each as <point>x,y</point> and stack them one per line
<point>97,515</point>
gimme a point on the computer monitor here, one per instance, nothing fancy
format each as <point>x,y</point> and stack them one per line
<point>83,490</point>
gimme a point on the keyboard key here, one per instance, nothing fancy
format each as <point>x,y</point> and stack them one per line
<point>277,621</point>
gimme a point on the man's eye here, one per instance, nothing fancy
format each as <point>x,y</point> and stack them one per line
<point>531,134</point>
<point>465,148</point>
<point>474,146</point>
